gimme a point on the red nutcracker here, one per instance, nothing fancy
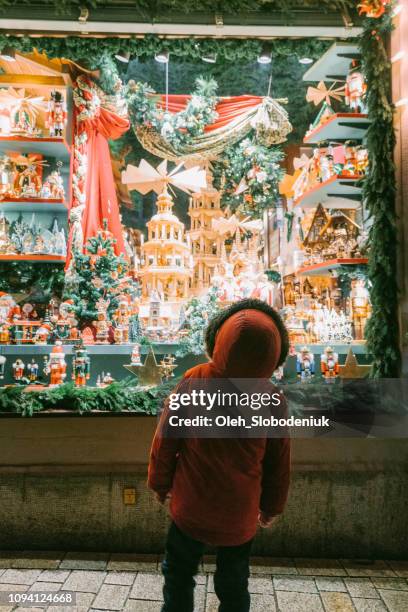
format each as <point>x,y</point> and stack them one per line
<point>18,369</point>
<point>329,364</point>
<point>56,365</point>
<point>355,89</point>
<point>56,114</point>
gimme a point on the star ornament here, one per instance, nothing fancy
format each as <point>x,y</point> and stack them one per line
<point>320,93</point>
<point>148,374</point>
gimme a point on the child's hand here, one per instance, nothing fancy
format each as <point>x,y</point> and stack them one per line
<point>265,520</point>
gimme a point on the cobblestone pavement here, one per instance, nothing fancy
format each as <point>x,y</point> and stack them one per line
<point>132,583</point>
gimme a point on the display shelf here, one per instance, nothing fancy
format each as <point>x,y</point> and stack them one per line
<point>34,258</point>
<point>54,205</point>
<point>57,148</point>
<point>334,64</point>
<point>339,128</point>
<point>325,268</point>
<point>338,192</point>
<point>93,349</point>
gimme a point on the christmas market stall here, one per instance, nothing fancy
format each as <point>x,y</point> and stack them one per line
<point>137,199</point>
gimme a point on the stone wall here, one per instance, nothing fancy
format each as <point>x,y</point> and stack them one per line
<point>62,481</point>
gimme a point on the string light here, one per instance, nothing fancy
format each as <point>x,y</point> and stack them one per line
<point>397,56</point>
<point>402,102</point>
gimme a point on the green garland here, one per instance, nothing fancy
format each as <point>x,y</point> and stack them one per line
<point>379,189</point>
<point>120,396</point>
<point>180,128</point>
<point>90,52</point>
<point>43,279</point>
<point>256,166</point>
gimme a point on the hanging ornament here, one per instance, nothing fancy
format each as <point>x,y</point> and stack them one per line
<point>373,8</point>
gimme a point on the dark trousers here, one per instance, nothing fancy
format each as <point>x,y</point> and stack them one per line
<point>180,565</point>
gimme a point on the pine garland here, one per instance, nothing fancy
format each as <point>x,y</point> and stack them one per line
<point>254,167</point>
<point>120,396</point>
<point>180,128</point>
<point>379,189</point>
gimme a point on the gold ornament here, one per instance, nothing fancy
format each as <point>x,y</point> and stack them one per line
<point>352,369</point>
<point>150,373</point>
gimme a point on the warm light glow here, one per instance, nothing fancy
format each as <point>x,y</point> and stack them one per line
<point>402,102</point>
<point>162,57</point>
<point>305,60</point>
<point>398,56</point>
<point>397,10</point>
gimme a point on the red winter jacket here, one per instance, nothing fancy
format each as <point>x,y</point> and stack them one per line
<point>218,486</point>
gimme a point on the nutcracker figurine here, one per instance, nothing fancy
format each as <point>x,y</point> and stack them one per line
<point>329,364</point>
<point>56,365</point>
<point>355,89</point>
<point>350,162</point>
<point>80,366</point>
<point>121,317</point>
<point>32,369</point>
<point>18,369</point>
<point>135,358</point>
<point>305,366</point>
<point>102,324</point>
<point>360,307</point>
<point>2,366</point>
<point>56,114</point>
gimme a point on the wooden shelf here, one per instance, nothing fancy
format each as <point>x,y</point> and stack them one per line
<point>338,192</point>
<point>57,148</point>
<point>339,128</point>
<point>334,64</point>
<point>34,258</point>
<point>325,268</point>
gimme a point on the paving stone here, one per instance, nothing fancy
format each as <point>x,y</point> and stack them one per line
<point>124,578</point>
<point>337,602</point>
<point>369,605</point>
<point>111,597</point>
<point>19,576</point>
<point>53,576</point>
<point>14,588</point>
<point>399,567</point>
<point>330,584</point>
<point>298,602</point>
<point>147,586</point>
<point>298,584</point>
<point>45,586</point>
<point>83,603</point>
<point>272,565</point>
<point>399,584</point>
<point>85,561</point>
<point>212,603</point>
<point>133,563</point>
<point>38,559</point>
<point>141,605</point>
<point>363,567</point>
<point>200,579</point>
<point>262,603</point>
<point>256,585</point>
<point>396,601</point>
<point>319,567</point>
<point>85,581</point>
<point>361,587</point>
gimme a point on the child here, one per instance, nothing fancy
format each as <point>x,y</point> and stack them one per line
<point>221,489</point>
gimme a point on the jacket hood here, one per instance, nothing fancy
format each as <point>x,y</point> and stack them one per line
<point>247,345</point>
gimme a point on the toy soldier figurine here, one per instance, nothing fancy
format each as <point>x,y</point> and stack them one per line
<point>32,369</point>
<point>355,89</point>
<point>18,369</point>
<point>329,364</point>
<point>305,366</point>
<point>56,114</point>
<point>56,365</point>
<point>80,366</point>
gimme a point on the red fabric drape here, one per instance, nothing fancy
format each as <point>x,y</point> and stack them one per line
<point>101,200</point>
<point>228,109</point>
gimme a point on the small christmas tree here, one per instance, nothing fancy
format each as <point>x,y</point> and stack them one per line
<point>198,313</point>
<point>97,274</point>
